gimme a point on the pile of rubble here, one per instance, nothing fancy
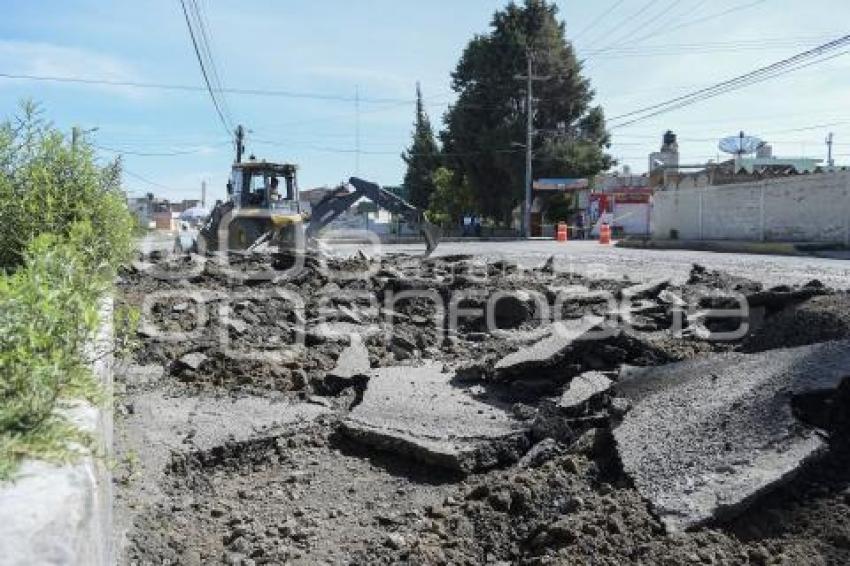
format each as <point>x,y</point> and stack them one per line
<point>444,410</point>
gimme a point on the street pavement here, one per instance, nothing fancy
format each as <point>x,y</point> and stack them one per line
<point>594,259</point>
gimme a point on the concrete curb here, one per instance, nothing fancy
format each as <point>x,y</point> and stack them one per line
<point>730,246</point>
<point>63,514</point>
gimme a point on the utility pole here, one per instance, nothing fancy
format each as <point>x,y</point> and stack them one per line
<point>77,133</point>
<point>829,160</point>
<point>529,79</point>
<point>204,193</point>
<point>529,138</point>
<point>240,142</point>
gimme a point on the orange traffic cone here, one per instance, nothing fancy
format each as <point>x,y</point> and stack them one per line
<point>604,234</point>
<point>561,235</point>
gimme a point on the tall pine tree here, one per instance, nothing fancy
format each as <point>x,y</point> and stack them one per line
<point>422,158</point>
<point>489,116</point>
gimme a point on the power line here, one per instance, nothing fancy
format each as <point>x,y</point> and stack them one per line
<point>153,154</point>
<point>192,88</point>
<point>808,128</point>
<point>224,123</point>
<point>149,182</point>
<point>696,21</point>
<point>733,88</point>
<point>669,26</point>
<point>629,18</point>
<point>597,19</point>
<point>620,39</point>
<point>784,66</point>
<point>207,50</point>
<point>689,11</point>
<point>346,150</point>
<point>704,48</point>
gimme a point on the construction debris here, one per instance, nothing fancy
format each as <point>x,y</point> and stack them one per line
<point>648,290</point>
<point>582,389</point>
<point>351,369</point>
<point>705,437</point>
<point>364,410</point>
<point>420,412</point>
<point>547,352</point>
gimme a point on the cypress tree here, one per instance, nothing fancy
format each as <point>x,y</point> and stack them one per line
<point>422,158</point>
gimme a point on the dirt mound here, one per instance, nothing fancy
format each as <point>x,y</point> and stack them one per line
<point>578,509</point>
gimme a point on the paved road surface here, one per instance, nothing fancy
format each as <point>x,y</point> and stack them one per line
<point>589,257</point>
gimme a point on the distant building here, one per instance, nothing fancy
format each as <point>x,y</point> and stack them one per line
<point>741,170</point>
<point>668,157</point>
<point>155,212</point>
<point>623,200</point>
<point>666,172</point>
<point>184,205</point>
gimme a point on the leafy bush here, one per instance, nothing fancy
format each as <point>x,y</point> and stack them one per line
<point>64,230</point>
<point>48,310</point>
<point>47,184</point>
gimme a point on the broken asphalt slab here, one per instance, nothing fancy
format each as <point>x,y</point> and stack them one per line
<point>647,290</point>
<point>582,389</point>
<point>420,412</point>
<point>203,423</point>
<point>545,352</point>
<point>351,369</point>
<point>706,437</point>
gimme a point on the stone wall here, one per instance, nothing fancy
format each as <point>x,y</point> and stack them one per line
<point>803,208</point>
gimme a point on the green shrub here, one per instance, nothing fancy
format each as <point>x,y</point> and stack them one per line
<point>64,230</point>
<point>48,311</point>
<point>48,184</point>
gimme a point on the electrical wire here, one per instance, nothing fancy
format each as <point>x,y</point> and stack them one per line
<point>192,88</point>
<point>678,50</point>
<point>596,20</point>
<point>784,66</point>
<point>147,181</point>
<point>367,152</point>
<point>207,48</point>
<point>224,123</point>
<point>665,31</point>
<point>665,10</point>
<point>628,19</point>
<point>729,89</point>
<point>125,151</point>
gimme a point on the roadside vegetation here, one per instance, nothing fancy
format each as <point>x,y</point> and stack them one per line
<point>64,230</point>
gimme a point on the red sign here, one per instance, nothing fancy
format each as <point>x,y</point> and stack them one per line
<point>632,197</point>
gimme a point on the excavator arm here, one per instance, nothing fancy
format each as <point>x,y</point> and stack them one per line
<point>334,204</point>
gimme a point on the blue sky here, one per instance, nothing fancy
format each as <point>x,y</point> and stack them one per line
<point>640,53</point>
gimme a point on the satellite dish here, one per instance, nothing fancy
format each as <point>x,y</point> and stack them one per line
<point>740,144</point>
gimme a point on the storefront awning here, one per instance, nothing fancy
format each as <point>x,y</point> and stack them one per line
<point>559,185</point>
